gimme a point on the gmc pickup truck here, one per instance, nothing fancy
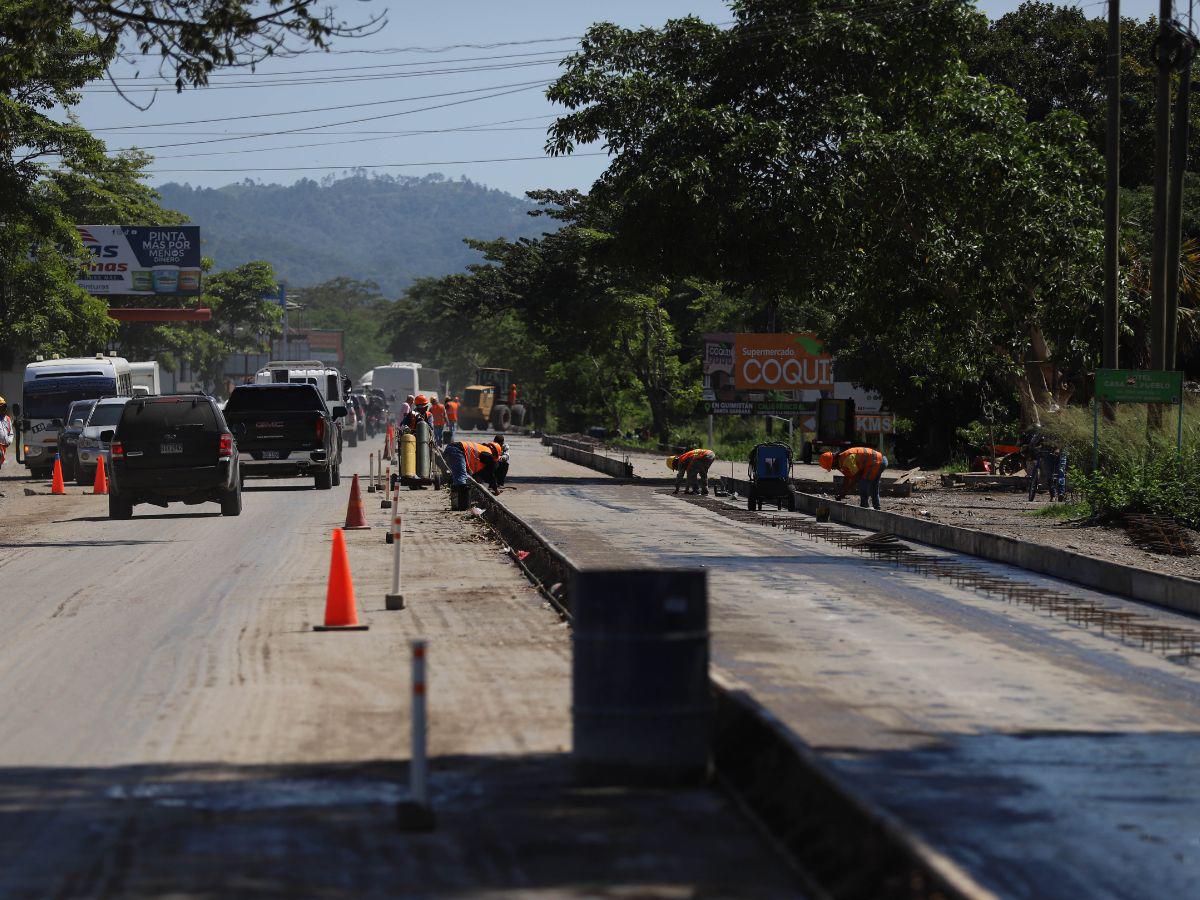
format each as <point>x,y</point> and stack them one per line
<point>286,431</point>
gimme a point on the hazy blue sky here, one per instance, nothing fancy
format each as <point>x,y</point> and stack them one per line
<point>515,122</point>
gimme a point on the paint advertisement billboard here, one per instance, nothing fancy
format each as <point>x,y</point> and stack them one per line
<point>141,260</point>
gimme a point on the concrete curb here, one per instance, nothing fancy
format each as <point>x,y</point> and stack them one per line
<point>1169,591</point>
<point>609,465</point>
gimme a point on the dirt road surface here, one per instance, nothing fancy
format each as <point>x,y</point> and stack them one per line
<point>1048,759</point>
<point>172,724</point>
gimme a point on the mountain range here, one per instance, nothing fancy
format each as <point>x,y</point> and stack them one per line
<point>383,228</point>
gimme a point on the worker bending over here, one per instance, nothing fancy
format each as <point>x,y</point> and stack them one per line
<point>858,465</point>
<point>471,459</point>
<point>695,465</point>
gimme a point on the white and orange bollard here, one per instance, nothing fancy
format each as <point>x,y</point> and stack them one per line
<point>395,600</point>
<point>416,814</point>
<point>390,536</point>
<point>385,502</point>
<point>371,476</point>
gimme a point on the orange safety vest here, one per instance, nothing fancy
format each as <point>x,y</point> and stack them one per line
<point>439,414</point>
<point>684,460</point>
<point>861,462</point>
<point>471,451</point>
<point>451,410</point>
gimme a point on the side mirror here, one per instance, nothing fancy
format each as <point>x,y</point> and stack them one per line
<point>78,423</point>
<point>338,410</point>
<point>106,436</point>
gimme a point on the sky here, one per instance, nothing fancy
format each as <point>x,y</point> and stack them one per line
<point>490,119</point>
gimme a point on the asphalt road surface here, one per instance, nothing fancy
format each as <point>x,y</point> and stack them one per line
<point>172,724</point>
<point>1047,759</point>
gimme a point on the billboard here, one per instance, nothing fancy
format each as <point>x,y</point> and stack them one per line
<point>141,260</point>
<point>327,346</point>
<point>780,362</point>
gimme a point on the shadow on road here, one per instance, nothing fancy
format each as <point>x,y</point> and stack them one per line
<point>263,488</point>
<point>24,545</point>
<point>504,823</point>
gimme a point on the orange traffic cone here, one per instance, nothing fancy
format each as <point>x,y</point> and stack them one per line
<point>340,613</point>
<point>356,515</point>
<point>101,486</point>
<point>57,486</point>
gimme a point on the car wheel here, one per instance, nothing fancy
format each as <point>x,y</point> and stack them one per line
<point>362,432</point>
<point>323,480</point>
<point>352,439</point>
<point>518,414</point>
<point>231,503</point>
<point>119,507</point>
<point>336,478</point>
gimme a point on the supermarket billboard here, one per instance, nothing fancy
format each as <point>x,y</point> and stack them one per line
<point>141,260</point>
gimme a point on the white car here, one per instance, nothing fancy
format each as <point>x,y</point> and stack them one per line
<point>104,417</point>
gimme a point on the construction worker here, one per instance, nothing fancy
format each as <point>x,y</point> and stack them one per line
<point>512,394</point>
<point>437,415</point>
<point>6,430</point>
<point>468,458</point>
<point>451,419</point>
<point>418,412</point>
<point>502,462</point>
<point>695,465</point>
<point>406,407</point>
<point>858,465</point>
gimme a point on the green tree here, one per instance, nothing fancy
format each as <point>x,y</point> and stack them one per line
<point>242,321</point>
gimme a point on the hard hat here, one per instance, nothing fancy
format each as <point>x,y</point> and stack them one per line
<point>827,460</point>
<point>671,460</point>
<point>3,402</point>
<point>422,400</point>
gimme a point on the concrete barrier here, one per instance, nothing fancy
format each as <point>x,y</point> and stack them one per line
<point>1169,591</point>
<point>609,465</point>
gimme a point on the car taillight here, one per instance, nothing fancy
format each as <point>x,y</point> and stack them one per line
<point>320,429</point>
<point>116,450</point>
<point>225,447</point>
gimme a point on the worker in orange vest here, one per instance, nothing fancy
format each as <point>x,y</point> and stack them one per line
<point>469,458</point>
<point>695,465</point>
<point>451,420</point>
<point>512,394</point>
<point>858,465</point>
<point>437,413</point>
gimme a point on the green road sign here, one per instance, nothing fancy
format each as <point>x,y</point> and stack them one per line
<point>754,408</point>
<point>1133,386</point>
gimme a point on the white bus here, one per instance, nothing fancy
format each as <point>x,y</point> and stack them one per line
<point>147,378</point>
<point>50,387</point>
<point>399,379</point>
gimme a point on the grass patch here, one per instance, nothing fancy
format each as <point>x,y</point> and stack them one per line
<point>1078,509</point>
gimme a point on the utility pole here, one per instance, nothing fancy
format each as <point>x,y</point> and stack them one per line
<point>1179,148</point>
<point>1162,162</point>
<point>1112,191</point>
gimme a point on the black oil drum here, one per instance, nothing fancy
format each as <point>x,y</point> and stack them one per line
<point>642,706</point>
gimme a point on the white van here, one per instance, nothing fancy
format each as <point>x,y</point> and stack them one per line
<point>147,378</point>
<point>399,379</point>
<point>50,387</point>
<point>330,382</point>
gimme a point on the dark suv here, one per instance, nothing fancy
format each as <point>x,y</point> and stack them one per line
<point>173,449</point>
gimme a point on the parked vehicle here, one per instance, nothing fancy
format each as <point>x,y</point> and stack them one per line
<point>285,431</point>
<point>360,415</point>
<point>50,387</point>
<point>68,435</point>
<point>770,473</point>
<point>175,449</point>
<point>104,417</point>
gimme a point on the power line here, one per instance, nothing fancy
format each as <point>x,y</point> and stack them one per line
<point>391,136</point>
<point>143,88</point>
<point>444,162</point>
<point>316,109</point>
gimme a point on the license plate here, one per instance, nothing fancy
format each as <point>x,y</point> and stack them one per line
<point>270,454</point>
<point>171,448</point>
